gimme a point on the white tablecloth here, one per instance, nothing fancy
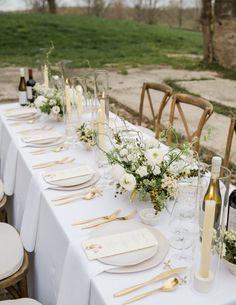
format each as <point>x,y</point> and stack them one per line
<point>61,274</point>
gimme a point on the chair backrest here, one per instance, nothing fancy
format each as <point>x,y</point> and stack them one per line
<point>156,115</point>
<point>232,129</point>
<point>207,110</point>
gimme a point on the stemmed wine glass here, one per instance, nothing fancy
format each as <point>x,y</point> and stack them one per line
<point>182,221</point>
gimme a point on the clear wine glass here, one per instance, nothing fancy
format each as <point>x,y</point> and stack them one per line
<point>182,221</point>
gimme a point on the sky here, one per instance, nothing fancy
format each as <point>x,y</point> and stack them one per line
<point>11,5</point>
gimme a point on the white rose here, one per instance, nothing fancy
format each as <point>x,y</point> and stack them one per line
<point>142,171</point>
<point>156,170</point>
<point>55,109</point>
<point>117,171</point>
<point>40,101</point>
<point>55,77</point>
<point>124,152</point>
<point>154,156</point>
<point>52,103</point>
<point>131,157</point>
<point>128,182</point>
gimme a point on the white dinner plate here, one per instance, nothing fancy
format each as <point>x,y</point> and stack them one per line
<point>87,184</point>
<point>158,257</point>
<point>68,182</point>
<point>129,258</point>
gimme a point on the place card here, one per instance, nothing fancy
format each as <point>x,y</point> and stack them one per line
<point>118,243</point>
<point>41,136</point>
<point>69,173</point>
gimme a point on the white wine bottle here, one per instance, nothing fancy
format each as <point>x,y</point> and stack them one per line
<point>22,88</point>
<point>231,220</point>
<point>213,190</point>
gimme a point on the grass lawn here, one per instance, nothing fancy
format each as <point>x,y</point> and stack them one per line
<point>98,40</point>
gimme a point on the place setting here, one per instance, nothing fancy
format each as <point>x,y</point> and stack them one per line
<point>42,139</point>
<point>71,177</point>
<point>128,247</point>
<point>22,115</point>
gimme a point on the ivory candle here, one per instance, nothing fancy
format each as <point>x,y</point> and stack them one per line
<point>207,235</point>
<point>79,95</point>
<point>45,76</point>
<point>101,128</point>
<point>67,99</point>
<point>103,103</point>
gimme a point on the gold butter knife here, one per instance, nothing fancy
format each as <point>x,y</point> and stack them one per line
<point>156,278</point>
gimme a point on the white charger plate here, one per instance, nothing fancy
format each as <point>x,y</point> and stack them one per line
<point>68,182</point>
<point>129,258</point>
<point>81,186</point>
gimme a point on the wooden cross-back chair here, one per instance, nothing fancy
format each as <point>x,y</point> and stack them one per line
<point>232,129</point>
<point>156,115</point>
<point>207,110</point>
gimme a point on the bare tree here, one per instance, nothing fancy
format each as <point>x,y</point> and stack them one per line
<point>146,10</point>
<point>97,7</point>
<point>180,17</point>
<point>207,20</point>
<point>42,5</point>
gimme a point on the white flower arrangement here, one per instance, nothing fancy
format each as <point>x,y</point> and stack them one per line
<point>86,135</point>
<point>49,100</point>
<point>229,246</point>
<point>144,168</point>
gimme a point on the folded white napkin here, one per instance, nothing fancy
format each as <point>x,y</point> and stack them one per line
<point>76,276</point>
<point>20,112</point>
<point>29,223</point>
<point>10,169</point>
<point>41,136</point>
<point>73,172</point>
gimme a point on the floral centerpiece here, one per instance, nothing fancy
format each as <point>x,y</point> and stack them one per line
<point>229,247</point>
<point>86,135</point>
<point>49,100</point>
<point>144,168</point>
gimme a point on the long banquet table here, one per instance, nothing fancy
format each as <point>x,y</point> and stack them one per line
<point>60,272</point>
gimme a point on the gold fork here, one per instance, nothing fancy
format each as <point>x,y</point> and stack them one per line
<point>126,217</point>
<point>96,218</point>
<point>65,160</point>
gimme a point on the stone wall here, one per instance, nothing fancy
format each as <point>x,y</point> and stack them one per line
<point>225,42</point>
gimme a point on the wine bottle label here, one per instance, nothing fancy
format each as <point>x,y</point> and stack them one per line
<point>29,93</point>
<point>22,98</point>
<point>232,219</point>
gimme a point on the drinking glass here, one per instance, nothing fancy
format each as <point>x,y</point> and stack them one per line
<point>72,108</point>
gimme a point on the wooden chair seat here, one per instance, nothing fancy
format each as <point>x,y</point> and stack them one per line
<point>25,301</point>
<point>203,105</point>
<point>13,262</point>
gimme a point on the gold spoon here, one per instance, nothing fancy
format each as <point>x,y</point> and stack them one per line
<point>169,285</point>
<point>88,196</point>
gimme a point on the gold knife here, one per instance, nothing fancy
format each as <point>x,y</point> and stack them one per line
<point>156,278</point>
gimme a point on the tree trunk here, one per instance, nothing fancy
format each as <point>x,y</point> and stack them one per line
<point>52,6</point>
<point>208,31</point>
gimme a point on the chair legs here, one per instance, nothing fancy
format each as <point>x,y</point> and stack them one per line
<point>23,288</point>
<point>3,216</point>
